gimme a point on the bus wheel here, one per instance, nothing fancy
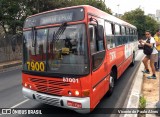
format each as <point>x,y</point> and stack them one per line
<point>133,60</point>
<point>111,82</point>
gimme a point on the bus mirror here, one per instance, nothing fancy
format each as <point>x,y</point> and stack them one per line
<point>94,20</point>
<point>91,33</point>
<point>99,32</point>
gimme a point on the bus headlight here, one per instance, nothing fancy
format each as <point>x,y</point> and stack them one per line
<point>30,86</point>
<point>77,93</point>
<point>69,93</point>
<point>25,85</point>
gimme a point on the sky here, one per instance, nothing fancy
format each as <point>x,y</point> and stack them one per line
<point>149,6</point>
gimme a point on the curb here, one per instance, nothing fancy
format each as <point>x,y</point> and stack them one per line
<point>133,101</point>
<point>10,66</point>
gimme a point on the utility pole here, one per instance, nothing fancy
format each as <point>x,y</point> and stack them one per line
<point>118,11</point>
<point>38,6</point>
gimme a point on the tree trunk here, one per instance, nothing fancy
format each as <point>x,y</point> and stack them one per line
<point>4,29</point>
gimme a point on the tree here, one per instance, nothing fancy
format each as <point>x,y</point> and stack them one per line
<point>14,12</point>
<point>141,21</point>
<point>35,6</point>
<point>11,15</point>
<point>151,24</point>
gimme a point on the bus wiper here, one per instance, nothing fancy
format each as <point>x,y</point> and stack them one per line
<point>34,38</point>
<point>56,35</point>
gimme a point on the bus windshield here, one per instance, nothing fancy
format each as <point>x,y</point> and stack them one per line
<point>56,50</point>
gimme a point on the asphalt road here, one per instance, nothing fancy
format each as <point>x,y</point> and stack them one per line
<point>11,95</point>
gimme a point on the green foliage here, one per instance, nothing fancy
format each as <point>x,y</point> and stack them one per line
<point>36,6</point>
<point>141,21</point>
<point>14,12</point>
<point>11,14</point>
<point>142,102</point>
<point>151,24</point>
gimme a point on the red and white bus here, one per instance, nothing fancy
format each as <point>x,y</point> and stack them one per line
<point>73,56</point>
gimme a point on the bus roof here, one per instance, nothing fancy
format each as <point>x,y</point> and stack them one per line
<point>107,16</point>
<point>58,10</point>
<point>97,12</point>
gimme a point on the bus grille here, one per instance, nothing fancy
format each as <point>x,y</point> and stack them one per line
<point>49,86</point>
<point>48,100</point>
<point>59,83</point>
<point>38,80</point>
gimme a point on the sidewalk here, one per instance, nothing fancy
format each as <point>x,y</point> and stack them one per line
<point>149,88</point>
<point>10,64</point>
<point>150,91</point>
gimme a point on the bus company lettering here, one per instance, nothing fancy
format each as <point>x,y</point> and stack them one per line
<point>112,55</point>
<point>72,80</point>
<point>128,50</point>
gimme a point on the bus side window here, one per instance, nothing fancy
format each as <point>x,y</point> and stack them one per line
<point>100,37</point>
<point>96,45</point>
<point>131,35</point>
<point>127,33</point>
<point>96,38</point>
<point>117,35</point>
<point>123,33</point>
<point>135,35</point>
<point>92,39</point>
<point>109,35</point>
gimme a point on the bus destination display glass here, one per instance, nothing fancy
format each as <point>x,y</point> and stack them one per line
<point>69,15</point>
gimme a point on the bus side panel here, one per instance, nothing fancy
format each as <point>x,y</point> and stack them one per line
<point>98,84</point>
<point>115,58</point>
<point>86,85</point>
<point>100,80</point>
<point>127,50</point>
<point>120,60</point>
<point>106,84</point>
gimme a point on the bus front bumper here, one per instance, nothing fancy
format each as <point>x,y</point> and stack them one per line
<point>60,101</point>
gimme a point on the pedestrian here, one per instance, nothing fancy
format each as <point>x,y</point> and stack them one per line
<point>153,56</point>
<point>157,39</point>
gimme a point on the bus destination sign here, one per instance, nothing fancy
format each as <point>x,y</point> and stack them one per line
<point>56,18</point>
<point>67,15</point>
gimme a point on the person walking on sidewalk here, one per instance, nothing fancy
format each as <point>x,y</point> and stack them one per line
<point>151,43</point>
<point>157,39</point>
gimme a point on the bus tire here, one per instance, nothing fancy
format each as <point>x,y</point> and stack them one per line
<point>133,60</point>
<point>112,82</point>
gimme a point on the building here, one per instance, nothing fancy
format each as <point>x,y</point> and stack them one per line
<point>155,16</point>
<point>118,15</point>
<point>152,16</point>
<point>158,13</point>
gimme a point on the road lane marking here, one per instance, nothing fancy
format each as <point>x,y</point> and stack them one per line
<point>20,103</point>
